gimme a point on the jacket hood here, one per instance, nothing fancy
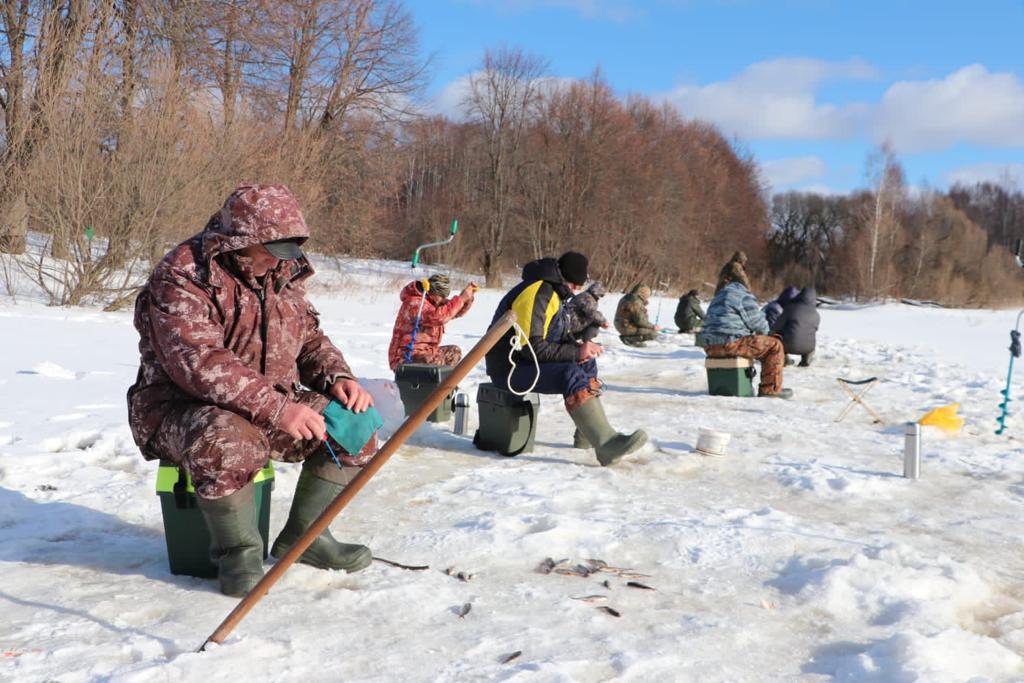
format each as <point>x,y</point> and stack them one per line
<point>642,291</point>
<point>411,291</point>
<point>787,295</point>
<point>544,269</point>
<point>254,214</point>
<point>807,295</point>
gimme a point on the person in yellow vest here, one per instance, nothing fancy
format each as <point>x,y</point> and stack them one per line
<point>566,367</point>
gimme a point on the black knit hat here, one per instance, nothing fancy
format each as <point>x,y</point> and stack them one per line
<point>573,266</point>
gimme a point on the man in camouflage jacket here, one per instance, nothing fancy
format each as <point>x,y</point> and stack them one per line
<point>631,317</point>
<point>434,311</point>
<point>235,370</point>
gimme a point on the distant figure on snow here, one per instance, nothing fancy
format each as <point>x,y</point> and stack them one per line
<point>581,313</point>
<point>689,314</point>
<point>631,321</point>
<point>437,311</point>
<point>736,271</point>
<point>798,325</point>
<point>735,327</point>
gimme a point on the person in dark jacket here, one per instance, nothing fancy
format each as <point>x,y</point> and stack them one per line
<point>773,309</point>
<point>689,314</point>
<point>562,366</point>
<point>735,327</point>
<point>798,325</point>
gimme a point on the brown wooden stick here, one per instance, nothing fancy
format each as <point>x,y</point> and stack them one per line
<point>348,493</point>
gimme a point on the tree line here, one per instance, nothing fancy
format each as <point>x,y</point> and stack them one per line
<point>886,241</point>
<point>126,122</point>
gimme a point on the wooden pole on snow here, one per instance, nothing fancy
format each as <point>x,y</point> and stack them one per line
<point>369,470</point>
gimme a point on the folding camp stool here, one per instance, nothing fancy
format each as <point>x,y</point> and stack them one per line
<point>857,398</point>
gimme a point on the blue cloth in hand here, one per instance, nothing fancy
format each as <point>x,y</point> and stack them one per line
<point>351,430</point>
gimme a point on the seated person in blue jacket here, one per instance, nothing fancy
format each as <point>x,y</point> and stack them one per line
<point>735,327</point>
<point>564,366</point>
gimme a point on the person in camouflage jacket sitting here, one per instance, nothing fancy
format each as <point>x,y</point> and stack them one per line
<point>631,320</point>
<point>582,315</point>
<point>235,370</point>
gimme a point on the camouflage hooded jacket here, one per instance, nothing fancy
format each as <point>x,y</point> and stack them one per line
<point>436,313</point>
<point>210,332</point>
<point>631,313</point>
<point>581,311</point>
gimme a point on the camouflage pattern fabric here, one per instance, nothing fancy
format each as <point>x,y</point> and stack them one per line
<point>442,355</point>
<point>437,312</point>
<point>224,351</point>
<point>222,451</point>
<point>582,312</point>
<point>631,313</point>
<point>766,349</point>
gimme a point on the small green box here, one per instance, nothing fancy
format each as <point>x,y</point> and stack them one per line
<point>508,422</point>
<point>188,540</point>
<point>417,381</point>
<point>730,376</point>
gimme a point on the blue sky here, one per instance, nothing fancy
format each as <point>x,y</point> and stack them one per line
<point>809,87</point>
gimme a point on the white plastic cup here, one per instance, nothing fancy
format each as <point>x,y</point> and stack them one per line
<point>712,441</point>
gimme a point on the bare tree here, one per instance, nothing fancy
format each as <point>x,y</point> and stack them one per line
<point>502,101</point>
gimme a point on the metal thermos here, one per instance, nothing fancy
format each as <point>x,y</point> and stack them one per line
<point>912,451</point>
<point>461,413</point>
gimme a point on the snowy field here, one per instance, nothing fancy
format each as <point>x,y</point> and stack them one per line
<point>800,555</point>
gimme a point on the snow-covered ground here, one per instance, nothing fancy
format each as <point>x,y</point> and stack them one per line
<point>802,554</point>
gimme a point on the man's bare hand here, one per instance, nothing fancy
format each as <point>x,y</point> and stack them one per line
<point>302,422</point>
<point>588,351</point>
<point>352,395</point>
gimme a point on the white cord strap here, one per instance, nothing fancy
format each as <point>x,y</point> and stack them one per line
<point>516,346</point>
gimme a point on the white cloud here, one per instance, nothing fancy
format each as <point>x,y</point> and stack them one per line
<point>971,105</point>
<point>449,101</point>
<point>781,173</point>
<point>1008,175</point>
<point>776,99</point>
<point>823,190</point>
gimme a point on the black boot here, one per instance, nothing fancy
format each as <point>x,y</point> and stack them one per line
<point>236,546</point>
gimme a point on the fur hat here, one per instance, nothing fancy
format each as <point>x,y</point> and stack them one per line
<point>440,285</point>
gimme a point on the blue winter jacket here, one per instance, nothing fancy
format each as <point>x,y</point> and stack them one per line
<point>732,314</point>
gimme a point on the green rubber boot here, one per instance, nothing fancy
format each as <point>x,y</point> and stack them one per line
<point>609,444</point>
<point>578,440</point>
<point>312,495</point>
<point>236,546</point>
